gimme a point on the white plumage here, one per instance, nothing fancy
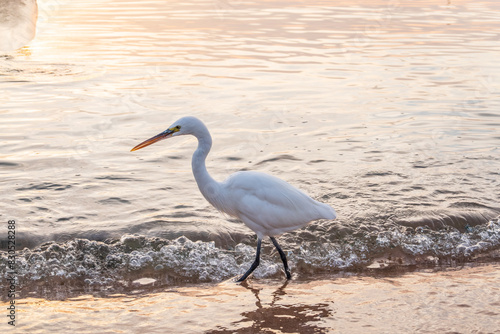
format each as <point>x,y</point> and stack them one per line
<point>267,205</point>
<point>270,206</point>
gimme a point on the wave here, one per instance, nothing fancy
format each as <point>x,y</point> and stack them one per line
<point>461,215</point>
<point>115,262</point>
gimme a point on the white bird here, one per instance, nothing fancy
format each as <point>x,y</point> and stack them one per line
<point>267,205</point>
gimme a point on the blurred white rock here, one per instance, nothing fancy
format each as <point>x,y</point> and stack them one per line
<point>17,23</point>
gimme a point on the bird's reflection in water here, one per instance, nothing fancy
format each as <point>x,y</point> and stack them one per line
<point>279,317</point>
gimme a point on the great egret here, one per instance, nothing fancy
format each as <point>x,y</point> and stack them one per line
<point>267,205</point>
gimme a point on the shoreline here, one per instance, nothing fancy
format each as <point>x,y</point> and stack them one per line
<point>455,300</point>
<point>150,281</point>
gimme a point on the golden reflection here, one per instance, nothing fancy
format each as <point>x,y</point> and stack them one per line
<point>24,51</point>
<point>345,305</point>
<point>276,316</point>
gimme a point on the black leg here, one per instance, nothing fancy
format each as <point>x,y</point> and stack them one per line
<point>255,264</point>
<point>283,257</point>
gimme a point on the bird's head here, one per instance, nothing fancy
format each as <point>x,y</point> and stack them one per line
<point>184,126</point>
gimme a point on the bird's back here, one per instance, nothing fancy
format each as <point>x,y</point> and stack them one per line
<point>268,205</point>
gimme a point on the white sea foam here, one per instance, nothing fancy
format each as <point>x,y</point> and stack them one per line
<point>184,260</point>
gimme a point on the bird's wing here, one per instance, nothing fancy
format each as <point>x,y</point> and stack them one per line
<point>270,205</point>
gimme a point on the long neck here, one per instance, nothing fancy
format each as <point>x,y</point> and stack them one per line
<point>208,186</point>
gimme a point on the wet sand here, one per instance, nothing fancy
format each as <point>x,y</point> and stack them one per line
<point>453,301</point>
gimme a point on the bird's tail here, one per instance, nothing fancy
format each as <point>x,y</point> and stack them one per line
<point>326,211</point>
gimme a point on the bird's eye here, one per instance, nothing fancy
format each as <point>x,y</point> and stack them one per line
<point>178,127</point>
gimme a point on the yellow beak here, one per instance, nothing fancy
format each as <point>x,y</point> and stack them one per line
<point>164,135</point>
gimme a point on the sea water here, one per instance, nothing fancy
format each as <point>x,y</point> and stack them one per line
<point>386,110</point>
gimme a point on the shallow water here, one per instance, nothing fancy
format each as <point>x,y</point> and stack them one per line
<point>388,111</point>
<point>457,301</point>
